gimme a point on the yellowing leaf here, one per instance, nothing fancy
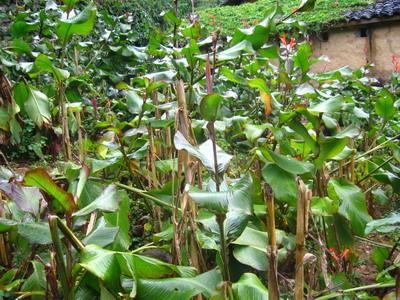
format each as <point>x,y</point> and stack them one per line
<point>266,98</point>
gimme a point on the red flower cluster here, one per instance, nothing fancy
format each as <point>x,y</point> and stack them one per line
<point>396,63</point>
<point>345,254</point>
<point>289,45</point>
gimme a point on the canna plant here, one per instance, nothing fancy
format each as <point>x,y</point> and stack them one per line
<point>232,159</point>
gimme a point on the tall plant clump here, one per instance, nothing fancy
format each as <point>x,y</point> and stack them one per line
<point>194,167</point>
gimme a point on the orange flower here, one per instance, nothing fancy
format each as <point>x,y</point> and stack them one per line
<point>283,40</point>
<point>245,23</point>
<point>345,254</point>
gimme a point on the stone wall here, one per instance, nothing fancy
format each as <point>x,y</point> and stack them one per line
<point>357,46</point>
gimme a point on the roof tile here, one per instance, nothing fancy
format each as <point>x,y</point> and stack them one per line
<point>382,8</point>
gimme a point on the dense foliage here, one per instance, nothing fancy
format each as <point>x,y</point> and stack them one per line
<point>327,12</point>
<point>192,167</point>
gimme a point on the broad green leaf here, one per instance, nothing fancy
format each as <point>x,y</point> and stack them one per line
<point>257,35</point>
<point>352,203</point>
<point>81,24</point>
<point>379,255</point>
<point>384,105</point>
<point>232,76</point>
<point>44,64</point>
<point>204,153</point>
<point>236,202</point>
<point>385,225</point>
<point>180,288</point>
<point>37,106</point>
<point>4,119</point>
<point>301,58</point>
<point>329,148</point>
<point>253,132</point>
<point>235,51</point>
<point>148,267</point>
<point>165,76</point>
<point>83,177</point>
<point>306,5</point>
<point>37,280</point>
<point>209,107</point>
<point>283,183</point>
<point>170,17</point>
<point>121,220</point>
<point>63,201</point>
<point>214,201</point>
<point>237,197</point>
<point>108,201</point>
<point>35,233</point>
<point>291,165</point>
<point>136,51</point>
<point>102,235</point>
<point>303,132</point>
<point>7,224</point>
<point>21,93</point>
<point>134,102</point>
<point>103,264</point>
<point>21,28</point>
<point>351,132</point>
<point>21,47</point>
<point>323,206</point>
<point>332,105</point>
<point>249,286</point>
<point>380,197</point>
<point>255,258</point>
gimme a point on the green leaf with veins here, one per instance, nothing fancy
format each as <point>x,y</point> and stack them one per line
<point>81,24</point>
<point>108,201</point>
<point>352,203</point>
<point>37,106</point>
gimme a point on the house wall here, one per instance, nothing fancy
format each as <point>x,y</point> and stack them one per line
<point>346,47</point>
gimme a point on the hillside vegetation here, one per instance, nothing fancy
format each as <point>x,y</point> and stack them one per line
<point>228,18</point>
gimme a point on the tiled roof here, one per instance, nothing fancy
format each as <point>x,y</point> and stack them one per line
<point>381,9</point>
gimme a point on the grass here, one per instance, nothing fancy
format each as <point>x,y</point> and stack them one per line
<point>326,12</point>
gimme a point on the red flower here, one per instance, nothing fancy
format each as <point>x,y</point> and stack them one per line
<point>292,43</point>
<point>289,45</point>
<point>396,63</point>
<point>333,253</point>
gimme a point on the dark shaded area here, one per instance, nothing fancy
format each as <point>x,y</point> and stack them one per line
<point>237,2</point>
<point>382,8</point>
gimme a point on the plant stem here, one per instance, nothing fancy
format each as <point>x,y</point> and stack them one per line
<point>61,270</point>
<point>360,288</point>
<point>374,170</point>
<point>380,146</point>
<point>300,243</point>
<point>80,138</point>
<point>220,217</point>
<point>272,252</point>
